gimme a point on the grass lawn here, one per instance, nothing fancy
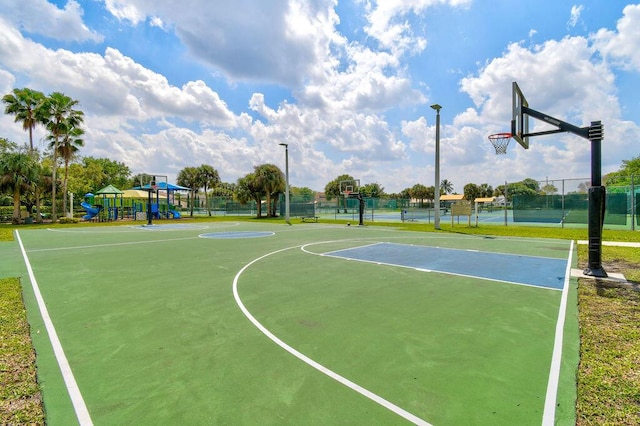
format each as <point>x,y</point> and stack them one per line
<point>20,401</point>
<point>609,318</point>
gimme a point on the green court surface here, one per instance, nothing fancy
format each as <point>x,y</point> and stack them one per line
<point>260,323</point>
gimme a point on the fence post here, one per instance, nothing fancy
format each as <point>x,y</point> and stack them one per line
<point>633,205</point>
<point>563,212</point>
<point>506,191</point>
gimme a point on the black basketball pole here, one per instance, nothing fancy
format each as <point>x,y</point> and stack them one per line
<point>152,184</point>
<point>149,217</point>
<point>597,192</point>
<point>361,209</point>
<point>597,203</point>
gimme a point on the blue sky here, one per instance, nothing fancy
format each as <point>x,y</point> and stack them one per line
<point>348,85</point>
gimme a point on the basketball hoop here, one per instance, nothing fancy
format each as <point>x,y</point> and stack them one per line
<point>500,142</point>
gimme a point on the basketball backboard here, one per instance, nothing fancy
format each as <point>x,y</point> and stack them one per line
<point>350,187</point>
<point>151,182</point>
<point>520,120</point>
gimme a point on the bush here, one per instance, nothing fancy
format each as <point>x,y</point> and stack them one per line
<point>68,220</point>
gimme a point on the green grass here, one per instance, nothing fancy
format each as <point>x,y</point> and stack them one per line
<point>608,376</point>
<point>609,320</point>
<point>20,400</point>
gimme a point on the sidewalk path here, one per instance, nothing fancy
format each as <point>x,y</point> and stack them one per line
<point>613,243</point>
<point>612,276</point>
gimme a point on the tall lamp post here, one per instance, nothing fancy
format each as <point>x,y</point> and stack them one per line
<point>286,191</point>
<point>436,219</point>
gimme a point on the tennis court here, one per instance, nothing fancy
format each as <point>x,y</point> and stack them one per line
<point>262,323</point>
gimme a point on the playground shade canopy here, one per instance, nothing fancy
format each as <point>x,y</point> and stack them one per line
<point>452,197</point>
<point>134,193</point>
<point>163,186</point>
<point>109,189</point>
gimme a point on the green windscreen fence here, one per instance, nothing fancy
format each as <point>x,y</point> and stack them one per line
<point>637,207</point>
<point>570,208</point>
<point>556,202</point>
<point>298,209</point>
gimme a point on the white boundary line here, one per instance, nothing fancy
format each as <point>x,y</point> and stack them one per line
<point>134,228</point>
<point>348,383</point>
<point>129,243</point>
<point>72,387</point>
<point>549,414</point>
<point>236,235</point>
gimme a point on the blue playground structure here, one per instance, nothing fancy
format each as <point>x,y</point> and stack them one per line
<point>91,210</point>
<point>160,210</point>
<point>110,203</point>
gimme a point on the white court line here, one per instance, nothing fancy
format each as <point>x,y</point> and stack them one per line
<point>72,387</point>
<point>372,396</point>
<point>129,243</point>
<point>134,228</point>
<point>549,414</point>
<point>334,253</point>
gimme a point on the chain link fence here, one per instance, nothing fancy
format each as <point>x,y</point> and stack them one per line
<point>565,202</point>
<point>555,202</point>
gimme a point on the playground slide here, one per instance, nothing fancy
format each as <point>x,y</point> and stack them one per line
<point>175,213</point>
<point>91,211</point>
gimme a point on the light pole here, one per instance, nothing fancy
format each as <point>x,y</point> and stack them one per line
<point>286,191</point>
<point>436,219</point>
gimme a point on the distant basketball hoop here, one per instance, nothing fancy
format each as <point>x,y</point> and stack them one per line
<point>500,142</point>
<point>350,188</point>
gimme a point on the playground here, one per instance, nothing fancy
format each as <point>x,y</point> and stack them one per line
<point>139,203</point>
<point>246,322</point>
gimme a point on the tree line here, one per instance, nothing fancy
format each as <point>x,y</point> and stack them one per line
<point>30,178</point>
<point>26,170</point>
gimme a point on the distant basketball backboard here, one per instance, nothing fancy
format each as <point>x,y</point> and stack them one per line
<point>152,182</point>
<point>350,187</point>
<point>520,120</point>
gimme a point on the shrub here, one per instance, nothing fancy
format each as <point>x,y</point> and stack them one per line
<point>68,220</point>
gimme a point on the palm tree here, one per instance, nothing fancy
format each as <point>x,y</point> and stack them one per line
<point>24,104</point>
<point>18,173</point>
<point>419,192</point>
<point>60,117</point>
<point>446,187</point>
<point>33,197</point>
<point>249,188</point>
<point>372,190</point>
<point>486,190</point>
<point>272,181</point>
<point>69,145</point>
<point>42,184</point>
<point>209,178</point>
<point>190,178</point>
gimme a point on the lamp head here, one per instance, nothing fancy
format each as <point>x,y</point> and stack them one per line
<point>436,107</point>
<point>284,144</point>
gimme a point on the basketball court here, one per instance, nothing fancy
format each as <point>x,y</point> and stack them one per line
<point>259,323</point>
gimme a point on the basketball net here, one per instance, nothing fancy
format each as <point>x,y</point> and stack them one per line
<point>500,142</point>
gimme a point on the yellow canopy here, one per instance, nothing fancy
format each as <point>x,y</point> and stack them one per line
<point>135,193</point>
<point>451,197</point>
